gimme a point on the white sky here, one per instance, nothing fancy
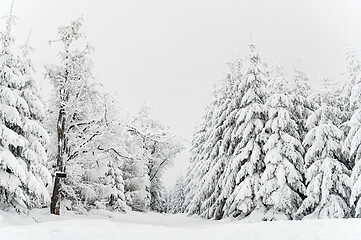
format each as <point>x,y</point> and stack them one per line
<point>168,53</point>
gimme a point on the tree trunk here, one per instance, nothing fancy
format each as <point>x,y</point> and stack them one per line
<point>55,198</point>
<point>60,166</point>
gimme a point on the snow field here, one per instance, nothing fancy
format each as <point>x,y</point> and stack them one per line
<point>139,226</point>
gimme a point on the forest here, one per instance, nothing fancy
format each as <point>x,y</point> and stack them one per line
<point>269,147</point>
<point>77,151</point>
<point>272,149</point>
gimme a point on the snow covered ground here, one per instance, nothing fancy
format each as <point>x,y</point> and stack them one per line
<point>137,226</point>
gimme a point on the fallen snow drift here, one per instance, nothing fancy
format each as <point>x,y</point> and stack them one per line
<point>136,226</point>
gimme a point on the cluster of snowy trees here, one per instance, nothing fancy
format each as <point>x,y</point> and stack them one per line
<point>268,147</point>
<point>176,197</point>
<point>76,150</point>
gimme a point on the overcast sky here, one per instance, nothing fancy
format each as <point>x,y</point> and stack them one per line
<point>170,53</point>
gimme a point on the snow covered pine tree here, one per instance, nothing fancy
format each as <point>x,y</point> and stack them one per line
<point>282,189</point>
<point>327,176</point>
<point>210,148</point>
<point>23,175</point>
<point>351,148</point>
<point>248,157</point>
<point>227,155</point>
<point>176,197</point>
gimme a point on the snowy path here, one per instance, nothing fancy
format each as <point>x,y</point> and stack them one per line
<point>137,226</point>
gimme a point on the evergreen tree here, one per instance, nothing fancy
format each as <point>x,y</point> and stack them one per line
<point>193,172</point>
<point>352,145</point>
<point>327,176</point>
<point>351,88</point>
<point>350,100</point>
<point>158,200</point>
<point>136,181</point>
<point>200,150</point>
<point>176,203</point>
<point>23,175</point>
<point>282,189</point>
<point>210,155</point>
<point>303,106</point>
<point>213,206</point>
<point>221,140</point>
<point>116,151</point>
<point>115,181</point>
<point>248,158</point>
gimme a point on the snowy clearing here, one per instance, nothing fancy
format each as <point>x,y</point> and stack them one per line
<point>137,226</point>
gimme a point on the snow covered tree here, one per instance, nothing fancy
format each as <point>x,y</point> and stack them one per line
<point>113,147</point>
<point>158,196</point>
<point>23,175</point>
<point>212,176</point>
<point>159,149</point>
<point>199,150</point>
<point>226,127</point>
<point>214,164</point>
<point>176,202</point>
<point>350,99</point>
<point>303,106</point>
<point>351,148</point>
<point>302,85</point>
<point>196,161</point>
<point>78,118</point>
<point>248,158</point>
<point>218,143</point>
<point>351,88</point>
<point>206,136</point>
<point>136,183</point>
<point>282,183</point>
<point>327,177</point>
<point>115,192</point>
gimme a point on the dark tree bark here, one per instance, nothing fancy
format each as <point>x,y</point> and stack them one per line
<point>55,198</point>
<point>63,149</point>
<point>60,166</point>
<point>63,76</point>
